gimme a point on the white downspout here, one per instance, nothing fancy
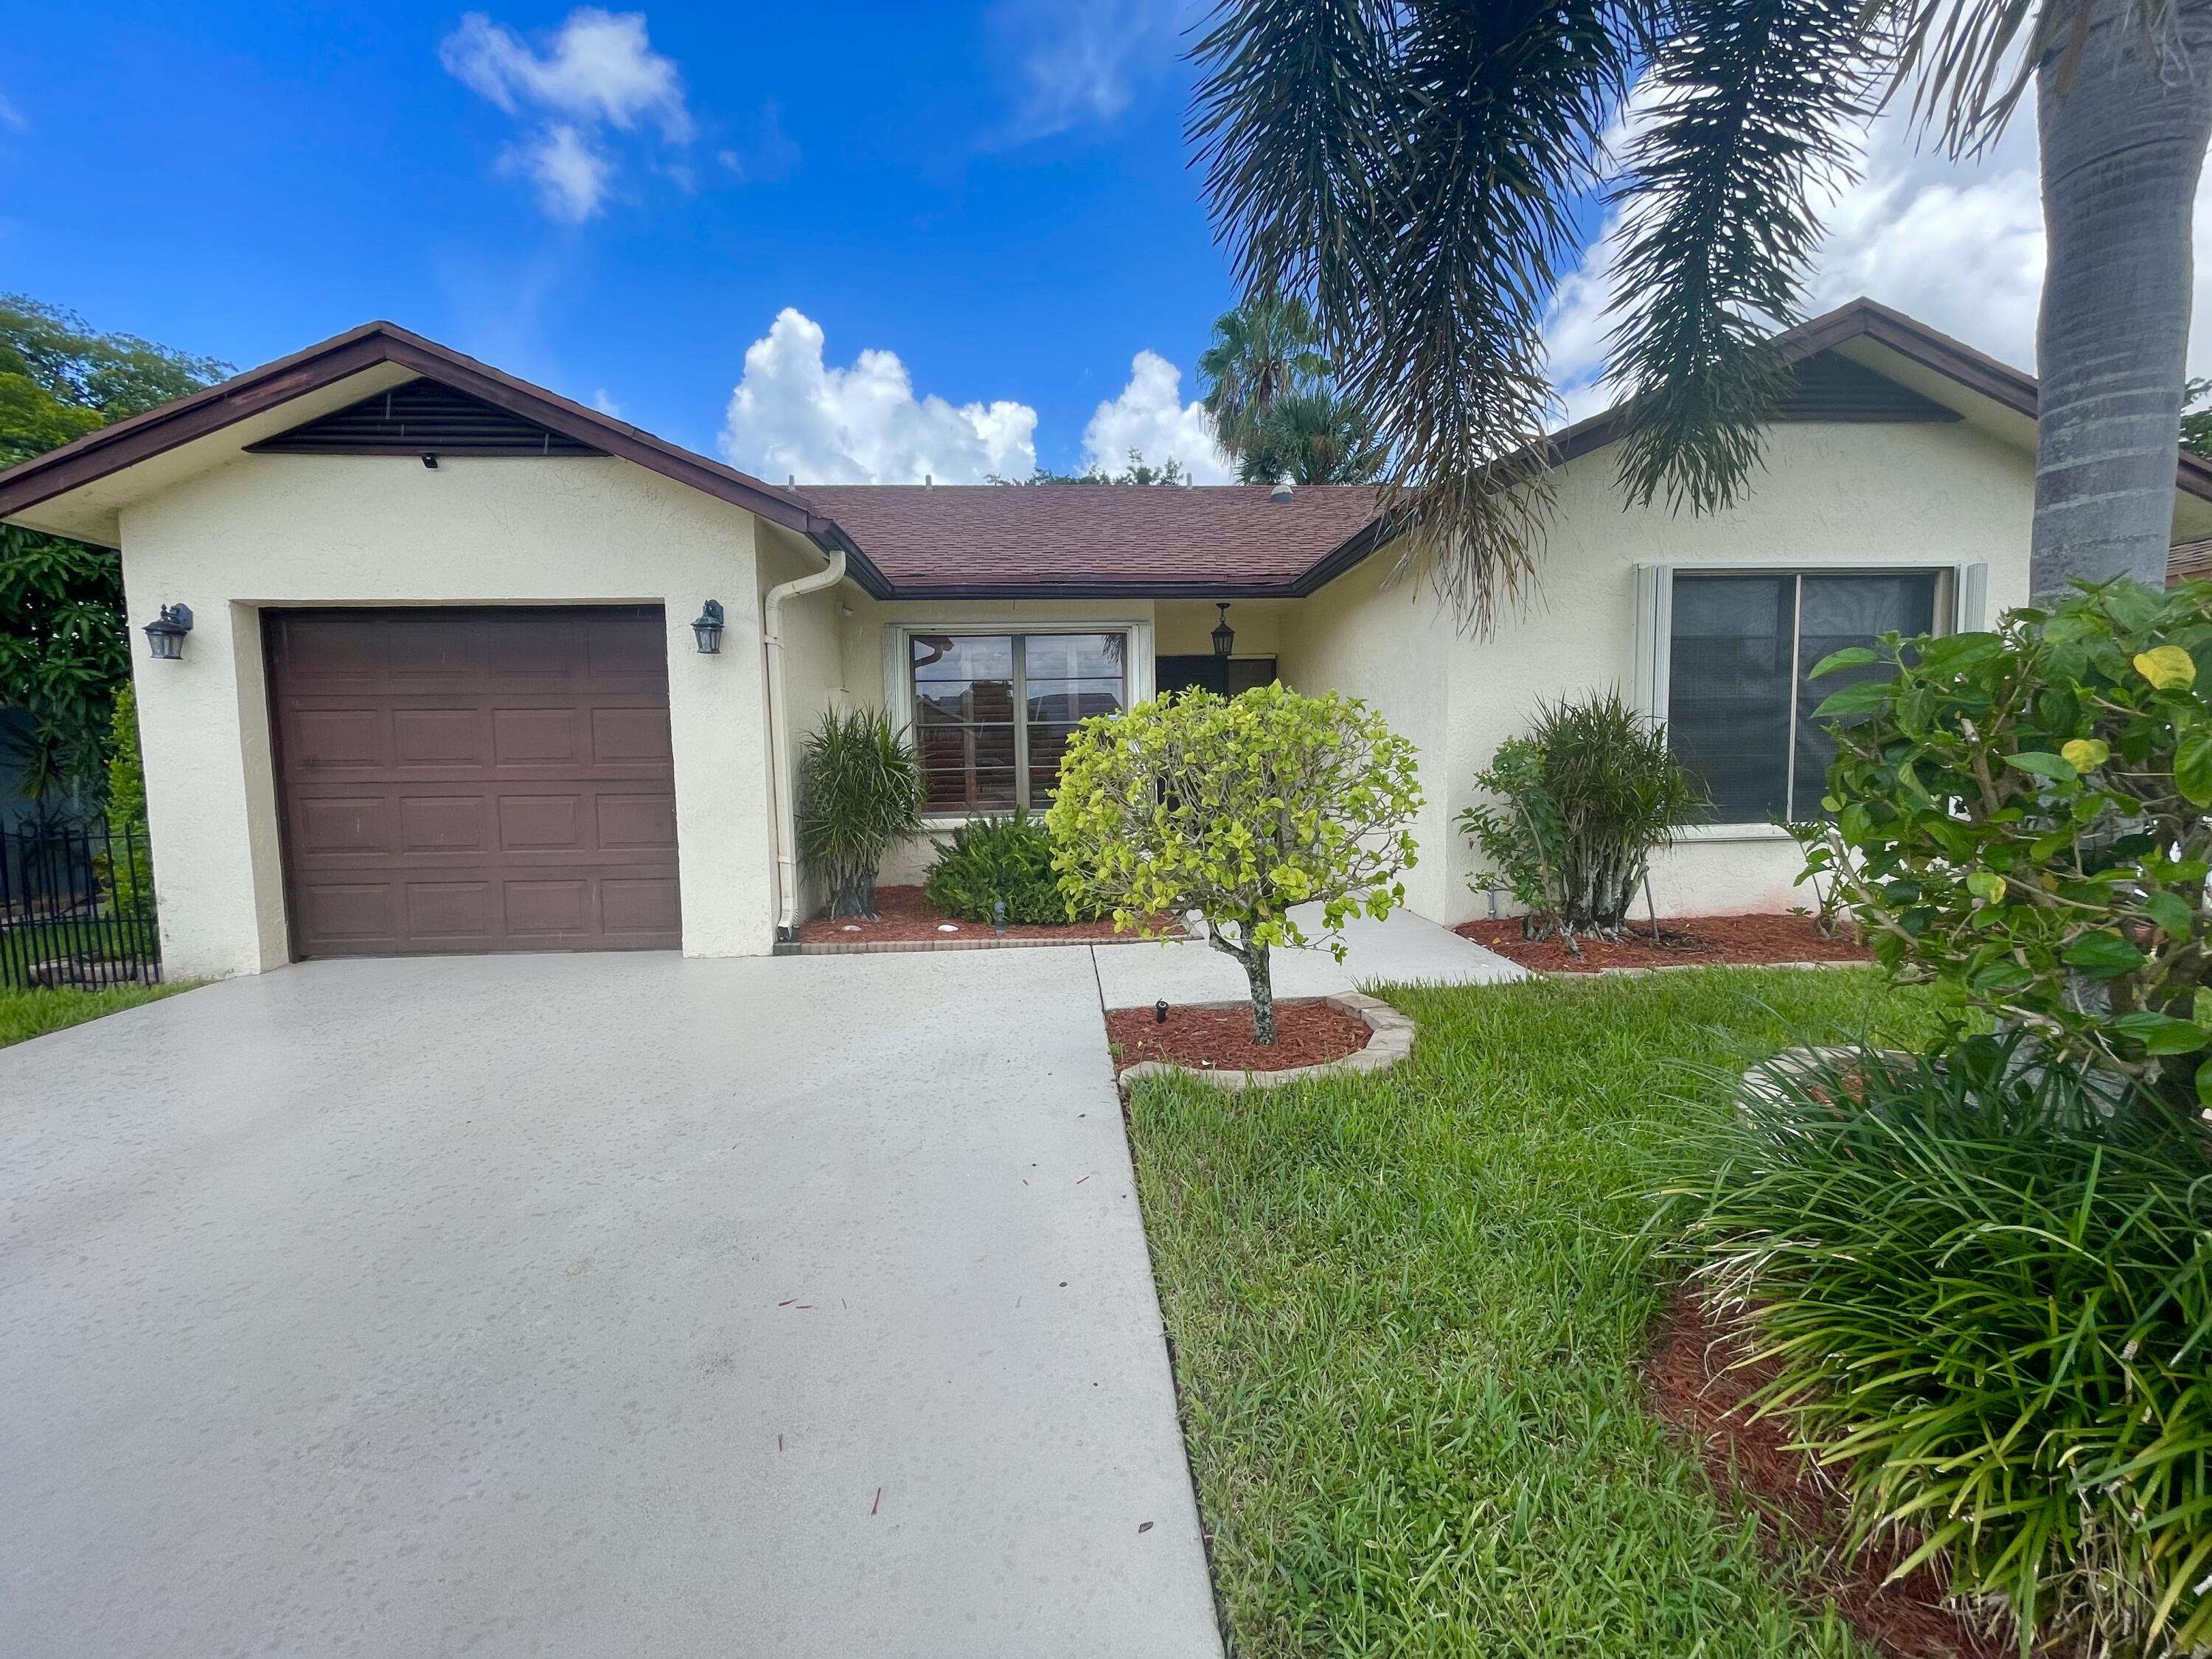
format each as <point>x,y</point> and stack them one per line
<point>779,741</point>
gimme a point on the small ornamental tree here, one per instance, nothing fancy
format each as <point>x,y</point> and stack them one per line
<point>1237,808</point>
<point>2024,818</point>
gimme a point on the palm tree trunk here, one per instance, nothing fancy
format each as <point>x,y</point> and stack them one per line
<point>2124,135</point>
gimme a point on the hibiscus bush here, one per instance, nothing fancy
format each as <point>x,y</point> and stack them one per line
<point>2021,819</point>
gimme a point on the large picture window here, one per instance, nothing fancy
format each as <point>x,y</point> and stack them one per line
<point>993,711</point>
<point>1740,690</point>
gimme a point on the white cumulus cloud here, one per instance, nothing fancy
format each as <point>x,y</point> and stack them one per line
<point>795,415</point>
<point>1956,245</point>
<point>1150,419</point>
<point>597,72</point>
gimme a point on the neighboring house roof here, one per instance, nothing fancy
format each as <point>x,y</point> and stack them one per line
<point>1064,540</point>
<point>1098,539</point>
<point>2188,561</point>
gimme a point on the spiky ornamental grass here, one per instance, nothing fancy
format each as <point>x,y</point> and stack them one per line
<point>859,790</point>
<point>1588,795</point>
<point>1987,1299</point>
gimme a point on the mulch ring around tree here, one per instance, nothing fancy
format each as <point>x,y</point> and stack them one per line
<point>1307,1033</point>
<point>1691,1385</point>
<point>1684,941</point>
<point>905,916</point>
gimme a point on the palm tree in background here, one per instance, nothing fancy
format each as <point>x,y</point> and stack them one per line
<point>1275,410</point>
<point>1409,169</point>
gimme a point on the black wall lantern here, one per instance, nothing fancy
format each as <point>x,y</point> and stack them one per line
<point>1224,636</point>
<point>709,629</point>
<point>165,635</point>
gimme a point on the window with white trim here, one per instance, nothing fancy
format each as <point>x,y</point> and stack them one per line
<point>1740,646</point>
<point>993,711</point>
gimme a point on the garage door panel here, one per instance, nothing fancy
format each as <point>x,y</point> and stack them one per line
<point>324,739</point>
<point>634,908</point>
<point>481,781</point>
<point>443,823</point>
<point>630,737</point>
<point>638,650</point>
<point>437,737</point>
<point>535,737</point>
<point>342,823</point>
<point>453,913</point>
<point>536,824</point>
<point>545,907</point>
<point>354,914</point>
<point>631,822</point>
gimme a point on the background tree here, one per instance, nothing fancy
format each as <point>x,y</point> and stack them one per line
<point>1237,808</point>
<point>63,651</point>
<point>1275,408</point>
<point>1138,470</point>
<point>2196,417</point>
<point>1411,171</point>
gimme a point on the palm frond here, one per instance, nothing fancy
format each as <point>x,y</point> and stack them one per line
<point>1411,169</point>
<point>1754,103</point>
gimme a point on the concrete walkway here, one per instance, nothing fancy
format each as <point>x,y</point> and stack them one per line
<point>1402,948</point>
<point>589,1305</point>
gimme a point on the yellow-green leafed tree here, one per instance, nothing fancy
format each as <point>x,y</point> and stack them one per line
<point>1238,808</point>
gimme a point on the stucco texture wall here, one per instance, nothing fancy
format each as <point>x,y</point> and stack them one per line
<point>295,529</point>
<point>1828,495</point>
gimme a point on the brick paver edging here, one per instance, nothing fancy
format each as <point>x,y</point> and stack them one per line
<point>1392,1040</point>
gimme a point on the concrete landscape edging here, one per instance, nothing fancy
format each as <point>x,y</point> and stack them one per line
<point>1391,1041</point>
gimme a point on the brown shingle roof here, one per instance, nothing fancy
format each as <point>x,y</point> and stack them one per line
<point>1060,538</point>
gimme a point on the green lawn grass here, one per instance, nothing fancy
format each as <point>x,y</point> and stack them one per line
<point>26,1014</point>
<point>1405,1311</point>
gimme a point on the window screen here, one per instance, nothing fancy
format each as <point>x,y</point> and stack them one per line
<point>1740,696</point>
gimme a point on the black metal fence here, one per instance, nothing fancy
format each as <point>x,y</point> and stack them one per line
<point>77,907</point>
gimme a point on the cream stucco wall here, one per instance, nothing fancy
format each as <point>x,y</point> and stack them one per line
<point>1829,495</point>
<point>294,530</point>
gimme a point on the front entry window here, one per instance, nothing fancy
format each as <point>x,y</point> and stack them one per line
<point>993,711</point>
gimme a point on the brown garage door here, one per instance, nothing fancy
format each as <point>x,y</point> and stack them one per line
<point>456,780</point>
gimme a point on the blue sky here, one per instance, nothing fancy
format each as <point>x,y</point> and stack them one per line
<point>998,194</point>
<point>912,239</point>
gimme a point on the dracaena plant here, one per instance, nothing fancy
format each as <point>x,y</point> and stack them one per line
<point>2024,817</point>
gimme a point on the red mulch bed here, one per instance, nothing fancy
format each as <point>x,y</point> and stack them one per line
<point>1690,1389</point>
<point>1307,1033</point>
<point>904,917</point>
<point>1683,941</point>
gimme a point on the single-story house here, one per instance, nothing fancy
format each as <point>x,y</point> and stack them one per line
<point>447,683</point>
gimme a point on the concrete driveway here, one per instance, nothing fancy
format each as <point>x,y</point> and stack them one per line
<point>590,1305</point>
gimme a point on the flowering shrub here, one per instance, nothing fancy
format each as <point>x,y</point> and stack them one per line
<point>2021,819</point>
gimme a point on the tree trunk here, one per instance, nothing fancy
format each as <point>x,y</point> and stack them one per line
<point>2124,136</point>
<point>1253,958</point>
<point>1262,981</point>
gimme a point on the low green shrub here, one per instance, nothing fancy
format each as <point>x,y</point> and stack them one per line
<point>993,859</point>
<point>1987,1299</point>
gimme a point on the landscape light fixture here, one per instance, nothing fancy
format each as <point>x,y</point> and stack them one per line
<point>1224,636</point>
<point>709,629</point>
<point>165,635</point>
